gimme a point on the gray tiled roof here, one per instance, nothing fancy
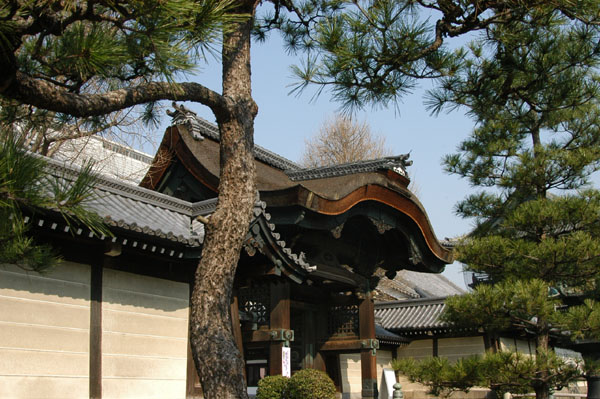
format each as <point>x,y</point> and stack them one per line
<point>387,337</point>
<point>151,213</point>
<point>408,284</point>
<point>412,316</point>
<point>140,210</point>
<point>112,159</point>
<point>429,285</point>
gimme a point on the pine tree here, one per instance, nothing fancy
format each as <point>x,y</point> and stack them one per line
<point>532,89</point>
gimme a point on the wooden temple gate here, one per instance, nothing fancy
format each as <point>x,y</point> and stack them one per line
<point>308,268</point>
<point>317,326</point>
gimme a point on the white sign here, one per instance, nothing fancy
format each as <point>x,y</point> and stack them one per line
<point>388,379</point>
<point>286,362</point>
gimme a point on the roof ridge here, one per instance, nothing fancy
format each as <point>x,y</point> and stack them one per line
<point>396,163</point>
<point>125,150</point>
<point>200,127</point>
<point>412,302</point>
<point>205,207</point>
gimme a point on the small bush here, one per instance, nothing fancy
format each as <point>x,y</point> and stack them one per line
<point>272,387</point>
<point>310,384</point>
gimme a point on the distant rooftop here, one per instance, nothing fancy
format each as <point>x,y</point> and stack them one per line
<point>408,284</point>
<point>410,317</point>
<point>112,159</point>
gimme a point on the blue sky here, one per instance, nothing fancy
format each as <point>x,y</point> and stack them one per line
<point>284,121</point>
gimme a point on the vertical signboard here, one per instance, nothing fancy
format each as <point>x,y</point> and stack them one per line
<point>286,362</point>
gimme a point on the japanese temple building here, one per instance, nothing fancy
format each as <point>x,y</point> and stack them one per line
<point>308,269</point>
<point>112,319</point>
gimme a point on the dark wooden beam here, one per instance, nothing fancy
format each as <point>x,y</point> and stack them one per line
<point>304,293</point>
<point>368,358</point>
<point>268,335</point>
<point>193,389</point>
<point>309,340</point>
<point>95,379</point>
<point>235,325</point>
<point>299,305</point>
<point>257,336</point>
<point>279,319</point>
<point>341,345</point>
<point>339,275</point>
<point>322,331</point>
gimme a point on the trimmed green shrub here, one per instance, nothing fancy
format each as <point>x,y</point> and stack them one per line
<point>272,387</point>
<point>310,384</point>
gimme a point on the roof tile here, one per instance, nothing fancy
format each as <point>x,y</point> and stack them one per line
<point>411,315</point>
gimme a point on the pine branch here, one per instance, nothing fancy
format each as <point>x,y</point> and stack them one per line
<point>48,96</point>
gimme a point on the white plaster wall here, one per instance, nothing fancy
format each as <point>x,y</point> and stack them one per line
<point>456,348</point>
<point>384,360</point>
<point>418,349</point>
<point>452,348</point>
<point>44,332</point>
<point>144,336</point>
<point>351,373</point>
<point>521,345</point>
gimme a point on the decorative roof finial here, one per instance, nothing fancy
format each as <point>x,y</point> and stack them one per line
<point>183,116</point>
<point>398,163</point>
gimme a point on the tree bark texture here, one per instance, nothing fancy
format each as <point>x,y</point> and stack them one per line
<point>219,362</point>
<point>48,96</point>
<point>542,387</point>
<point>542,392</point>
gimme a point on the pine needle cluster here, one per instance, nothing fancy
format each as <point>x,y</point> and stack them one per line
<point>27,188</point>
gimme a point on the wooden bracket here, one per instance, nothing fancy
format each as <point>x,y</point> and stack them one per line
<point>281,334</point>
<point>113,248</point>
<point>372,344</point>
<point>273,335</point>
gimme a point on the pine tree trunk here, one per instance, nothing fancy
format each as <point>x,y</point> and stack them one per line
<point>542,392</point>
<point>542,339</point>
<point>541,387</point>
<point>216,355</point>
<point>540,174</point>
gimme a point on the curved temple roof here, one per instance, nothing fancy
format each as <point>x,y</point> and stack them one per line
<point>132,211</point>
<point>139,210</point>
<point>187,166</point>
